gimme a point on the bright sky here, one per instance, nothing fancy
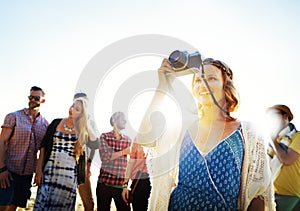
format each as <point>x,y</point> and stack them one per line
<point>48,44</point>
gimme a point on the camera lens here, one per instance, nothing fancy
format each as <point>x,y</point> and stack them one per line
<point>178,59</point>
<point>174,56</point>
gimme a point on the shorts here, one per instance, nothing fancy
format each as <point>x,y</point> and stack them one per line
<point>18,192</point>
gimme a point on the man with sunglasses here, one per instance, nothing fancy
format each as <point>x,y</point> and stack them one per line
<point>285,148</point>
<point>20,139</point>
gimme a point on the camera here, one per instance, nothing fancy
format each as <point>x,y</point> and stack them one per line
<point>184,63</point>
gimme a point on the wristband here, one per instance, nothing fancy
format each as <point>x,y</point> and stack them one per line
<point>3,169</point>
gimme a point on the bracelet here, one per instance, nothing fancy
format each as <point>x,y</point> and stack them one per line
<point>3,169</point>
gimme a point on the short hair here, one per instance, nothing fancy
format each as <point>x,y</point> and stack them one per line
<point>115,116</point>
<point>36,88</point>
<point>80,94</point>
<point>283,109</point>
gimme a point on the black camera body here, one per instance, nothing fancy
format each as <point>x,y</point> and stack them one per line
<point>184,63</point>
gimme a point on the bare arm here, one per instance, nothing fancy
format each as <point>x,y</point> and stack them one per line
<point>257,204</point>
<point>5,176</point>
<point>286,157</point>
<point>148,131</point>
<point>125,192</point>
<point>39,176</point>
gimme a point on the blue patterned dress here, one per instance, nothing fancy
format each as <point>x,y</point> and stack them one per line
<point>58,190</point>
<point>210,182</point>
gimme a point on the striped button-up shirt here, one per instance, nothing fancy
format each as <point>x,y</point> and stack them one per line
<point>22,147</point>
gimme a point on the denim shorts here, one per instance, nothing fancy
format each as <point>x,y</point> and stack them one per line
<point>18,192</point>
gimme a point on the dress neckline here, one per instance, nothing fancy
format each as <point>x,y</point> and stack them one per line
<point>204,154</point>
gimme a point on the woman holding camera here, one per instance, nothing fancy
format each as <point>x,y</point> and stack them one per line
<point>222,161</point>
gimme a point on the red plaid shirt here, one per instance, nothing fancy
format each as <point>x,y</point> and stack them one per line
<point>22,147</point>
<point>112,172</point>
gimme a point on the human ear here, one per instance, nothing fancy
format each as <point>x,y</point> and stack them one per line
<point>285,117</point>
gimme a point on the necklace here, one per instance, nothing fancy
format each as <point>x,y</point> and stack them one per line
<point>68,129</point>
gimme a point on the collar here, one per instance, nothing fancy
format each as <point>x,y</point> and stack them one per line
<point>27,112</point>
<point>113,133</point>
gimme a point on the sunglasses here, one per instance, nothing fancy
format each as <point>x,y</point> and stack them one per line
<point>219,64</point>
<point>36,98</point>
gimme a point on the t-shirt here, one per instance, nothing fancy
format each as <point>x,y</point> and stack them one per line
<point>288,182</point>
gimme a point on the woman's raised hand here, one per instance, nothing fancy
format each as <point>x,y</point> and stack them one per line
<point>165,75</point>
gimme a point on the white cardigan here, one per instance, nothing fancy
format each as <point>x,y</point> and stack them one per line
<point>255,182</point>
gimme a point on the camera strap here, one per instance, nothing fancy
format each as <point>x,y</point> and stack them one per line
<point>210,92</point>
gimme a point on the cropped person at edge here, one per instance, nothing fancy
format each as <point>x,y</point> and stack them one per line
<point>20,139</point>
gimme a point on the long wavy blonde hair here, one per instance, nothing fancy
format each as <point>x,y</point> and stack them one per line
<point>81,126</point>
